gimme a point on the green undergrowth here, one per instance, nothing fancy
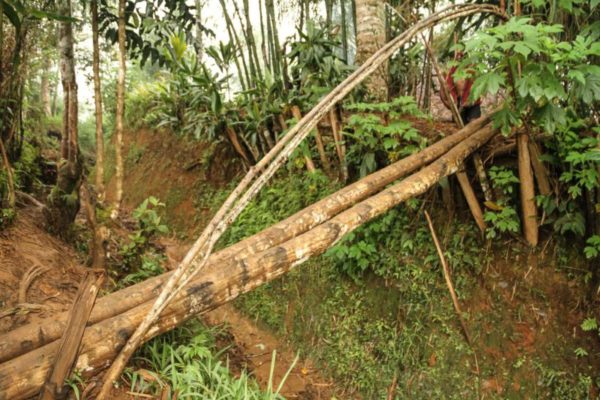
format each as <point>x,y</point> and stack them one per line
<point>186,364</point>
<point>375,308</point>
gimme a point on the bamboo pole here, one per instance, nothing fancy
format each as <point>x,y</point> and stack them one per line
<point>530,227</point>
<point>340,147</point>
<point>318,139</point>
<point>71,339</point>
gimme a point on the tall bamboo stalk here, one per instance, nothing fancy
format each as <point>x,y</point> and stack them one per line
<point>234,38</point>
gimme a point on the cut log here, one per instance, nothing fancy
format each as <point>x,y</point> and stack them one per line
<point>310,165</point>
<point>33,335</point>
<point>233,138</point>
<point>23,376</point>
<point>530,224</point>
<point>54,388</point>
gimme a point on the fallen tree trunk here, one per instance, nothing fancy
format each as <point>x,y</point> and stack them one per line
<point>23,376</point>
<point>34,335</point>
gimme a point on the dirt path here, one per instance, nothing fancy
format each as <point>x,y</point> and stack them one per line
<point>258,345</point>
<point>254,347</point>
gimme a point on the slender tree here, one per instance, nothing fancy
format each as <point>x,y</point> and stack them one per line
<point>45,87</point>
<point>344,25</point>
<point>234,38</point>
<point>328,11</point>
<point>120,109</point>
<point>97,103</point>
<point>63,201</point>
<point>274,38</point>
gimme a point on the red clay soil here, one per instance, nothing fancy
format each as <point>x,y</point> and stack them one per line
<point>176,170</point>
<point>25,246</point>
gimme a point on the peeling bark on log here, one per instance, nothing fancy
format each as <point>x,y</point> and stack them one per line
<point>23,376</point>
<point>483,180</point>
<point>34,335</point>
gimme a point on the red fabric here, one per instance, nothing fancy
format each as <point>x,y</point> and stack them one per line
<point>463,100</point>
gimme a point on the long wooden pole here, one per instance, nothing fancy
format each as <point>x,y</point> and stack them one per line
<point>54,388</point>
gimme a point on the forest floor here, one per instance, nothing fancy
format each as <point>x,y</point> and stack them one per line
<point>26,246</point>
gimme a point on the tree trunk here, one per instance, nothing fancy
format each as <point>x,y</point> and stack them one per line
<point>45,88</point>
<point>370,37</point>
<point>263,36</point>
<point>530,226</point>
<point>328,12</point>
<point>120,110</point>
<point>97,103</point>
<point>276,56</point>
<point>344,25</point>
<point>23,376</point>
<point>10,184</point>
<point>12,343</point>
<point>63,201</point>
<point>472,201</point>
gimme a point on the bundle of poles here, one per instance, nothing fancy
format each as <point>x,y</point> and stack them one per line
<point>28,352</point>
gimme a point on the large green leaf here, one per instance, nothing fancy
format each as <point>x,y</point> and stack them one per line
<point>487,83</point>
